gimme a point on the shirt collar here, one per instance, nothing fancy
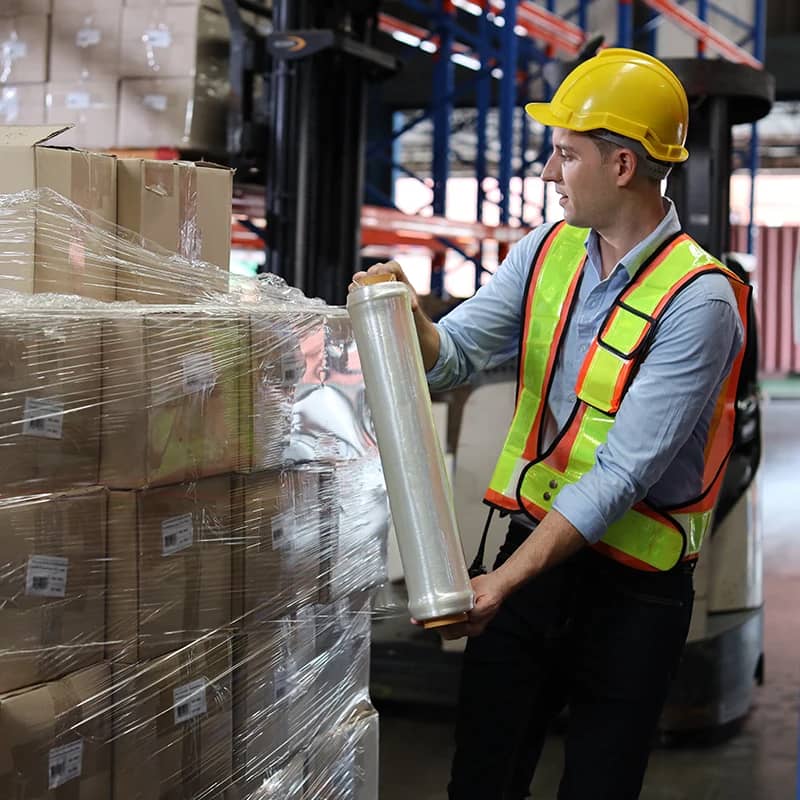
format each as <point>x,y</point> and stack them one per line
<point>637,255</point>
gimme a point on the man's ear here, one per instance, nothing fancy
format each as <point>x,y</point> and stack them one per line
<point>625,163</point>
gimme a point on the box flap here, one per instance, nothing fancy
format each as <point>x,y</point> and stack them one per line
<point>212,165</point>
<point>20,135</point>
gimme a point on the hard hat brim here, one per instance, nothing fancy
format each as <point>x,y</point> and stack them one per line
<point>543,113</point>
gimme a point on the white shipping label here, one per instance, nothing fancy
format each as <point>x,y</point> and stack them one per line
<point>190,701</point>
<point>46,576</point>
<point>43,418</point>
<point>198,373</point>
<point>157,37</point>
<point>177,533</point>
<point>9,105</point>
<point>78,100</point>
<point>155,102</point>
<point>88,37</point>
<point>64,763</point>
<point>284,530</point>
<point>12,49</point>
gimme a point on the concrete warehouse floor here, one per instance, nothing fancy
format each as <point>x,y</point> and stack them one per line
<point>758,764</point>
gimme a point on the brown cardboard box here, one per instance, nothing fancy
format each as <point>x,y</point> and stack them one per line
<point>187,113</point>
<point>14,8</point>
<point>273,367</point>
<point>55,739</point>
<point>343,763</point>
<point>169,574</point>
<point>84,44</point>
<point>170,397</point>
<point>277,559</point>
<point>52,247</point>
<point>90,106</point>
<point>23,49</point>
<point>22,104</point>
<point>52,586</point>
<point>173,41</point>
<point>182,206</point>
<point>261,680</point>
<point>173,724</point>
<point>49,405</point>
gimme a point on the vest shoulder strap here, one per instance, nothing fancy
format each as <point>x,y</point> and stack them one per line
<point>612,360</point>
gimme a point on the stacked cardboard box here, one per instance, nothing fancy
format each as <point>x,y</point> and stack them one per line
<point>174,67</point>
<point>146,74</point>
<point>84,65</point>
<point>23,61</point>
<point>189,592</point>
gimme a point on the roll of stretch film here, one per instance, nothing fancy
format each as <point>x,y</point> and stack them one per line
<point>439,591</point>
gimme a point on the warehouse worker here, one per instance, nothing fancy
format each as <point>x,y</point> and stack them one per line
<point>630,339</point>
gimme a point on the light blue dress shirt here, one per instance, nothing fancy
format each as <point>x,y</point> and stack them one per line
<point>655,446</point>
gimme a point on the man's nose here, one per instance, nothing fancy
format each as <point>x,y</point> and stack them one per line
<point>551,171</point>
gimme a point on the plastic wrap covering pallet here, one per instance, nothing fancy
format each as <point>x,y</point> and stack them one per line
<point>192,523</point>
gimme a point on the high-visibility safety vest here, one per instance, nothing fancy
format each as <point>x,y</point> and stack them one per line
<point>528,475</point>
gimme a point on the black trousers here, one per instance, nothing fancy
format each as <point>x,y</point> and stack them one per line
<point>601,638</point>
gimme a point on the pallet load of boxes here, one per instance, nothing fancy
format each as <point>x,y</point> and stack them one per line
<point>133,74</point>
<point>192,511</point>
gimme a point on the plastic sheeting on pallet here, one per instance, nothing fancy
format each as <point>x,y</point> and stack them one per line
<point>192,522</point>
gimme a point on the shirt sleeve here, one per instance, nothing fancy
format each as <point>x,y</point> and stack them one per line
<point>692,353</point>
<point>484,331</point>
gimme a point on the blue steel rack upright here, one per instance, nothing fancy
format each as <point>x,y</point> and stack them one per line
<point>518,37</point>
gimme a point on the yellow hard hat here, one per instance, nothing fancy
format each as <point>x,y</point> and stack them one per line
<point>626,92</point>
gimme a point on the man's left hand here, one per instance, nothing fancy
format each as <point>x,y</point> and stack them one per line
<point>489,595</point>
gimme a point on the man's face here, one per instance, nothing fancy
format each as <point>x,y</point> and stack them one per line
<point>585,184</point>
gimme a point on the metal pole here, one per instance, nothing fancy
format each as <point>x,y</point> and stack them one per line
<point>508,98</point>
<point>583,18</point>
<point>759,29</point>
<point>702,13</point>
<point>443,84</point>
<point>625,23</point>
<point>482,101</point>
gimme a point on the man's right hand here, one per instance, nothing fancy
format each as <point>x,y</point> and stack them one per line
<point>387,268</point>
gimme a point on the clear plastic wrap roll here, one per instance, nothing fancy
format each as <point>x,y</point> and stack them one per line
<point>419,490</point>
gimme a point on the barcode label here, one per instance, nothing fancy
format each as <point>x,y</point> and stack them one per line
<point>46,576</point>
<point>43,417</point>
<point>177,533</point>
<point>158,37</point>
<point>284,527</point>
<point>190,701</point>
<point>88,37</point>
<point>78,100</point>
<point>155,102</point>
<point>64,763</point>
<point>198,373</point>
